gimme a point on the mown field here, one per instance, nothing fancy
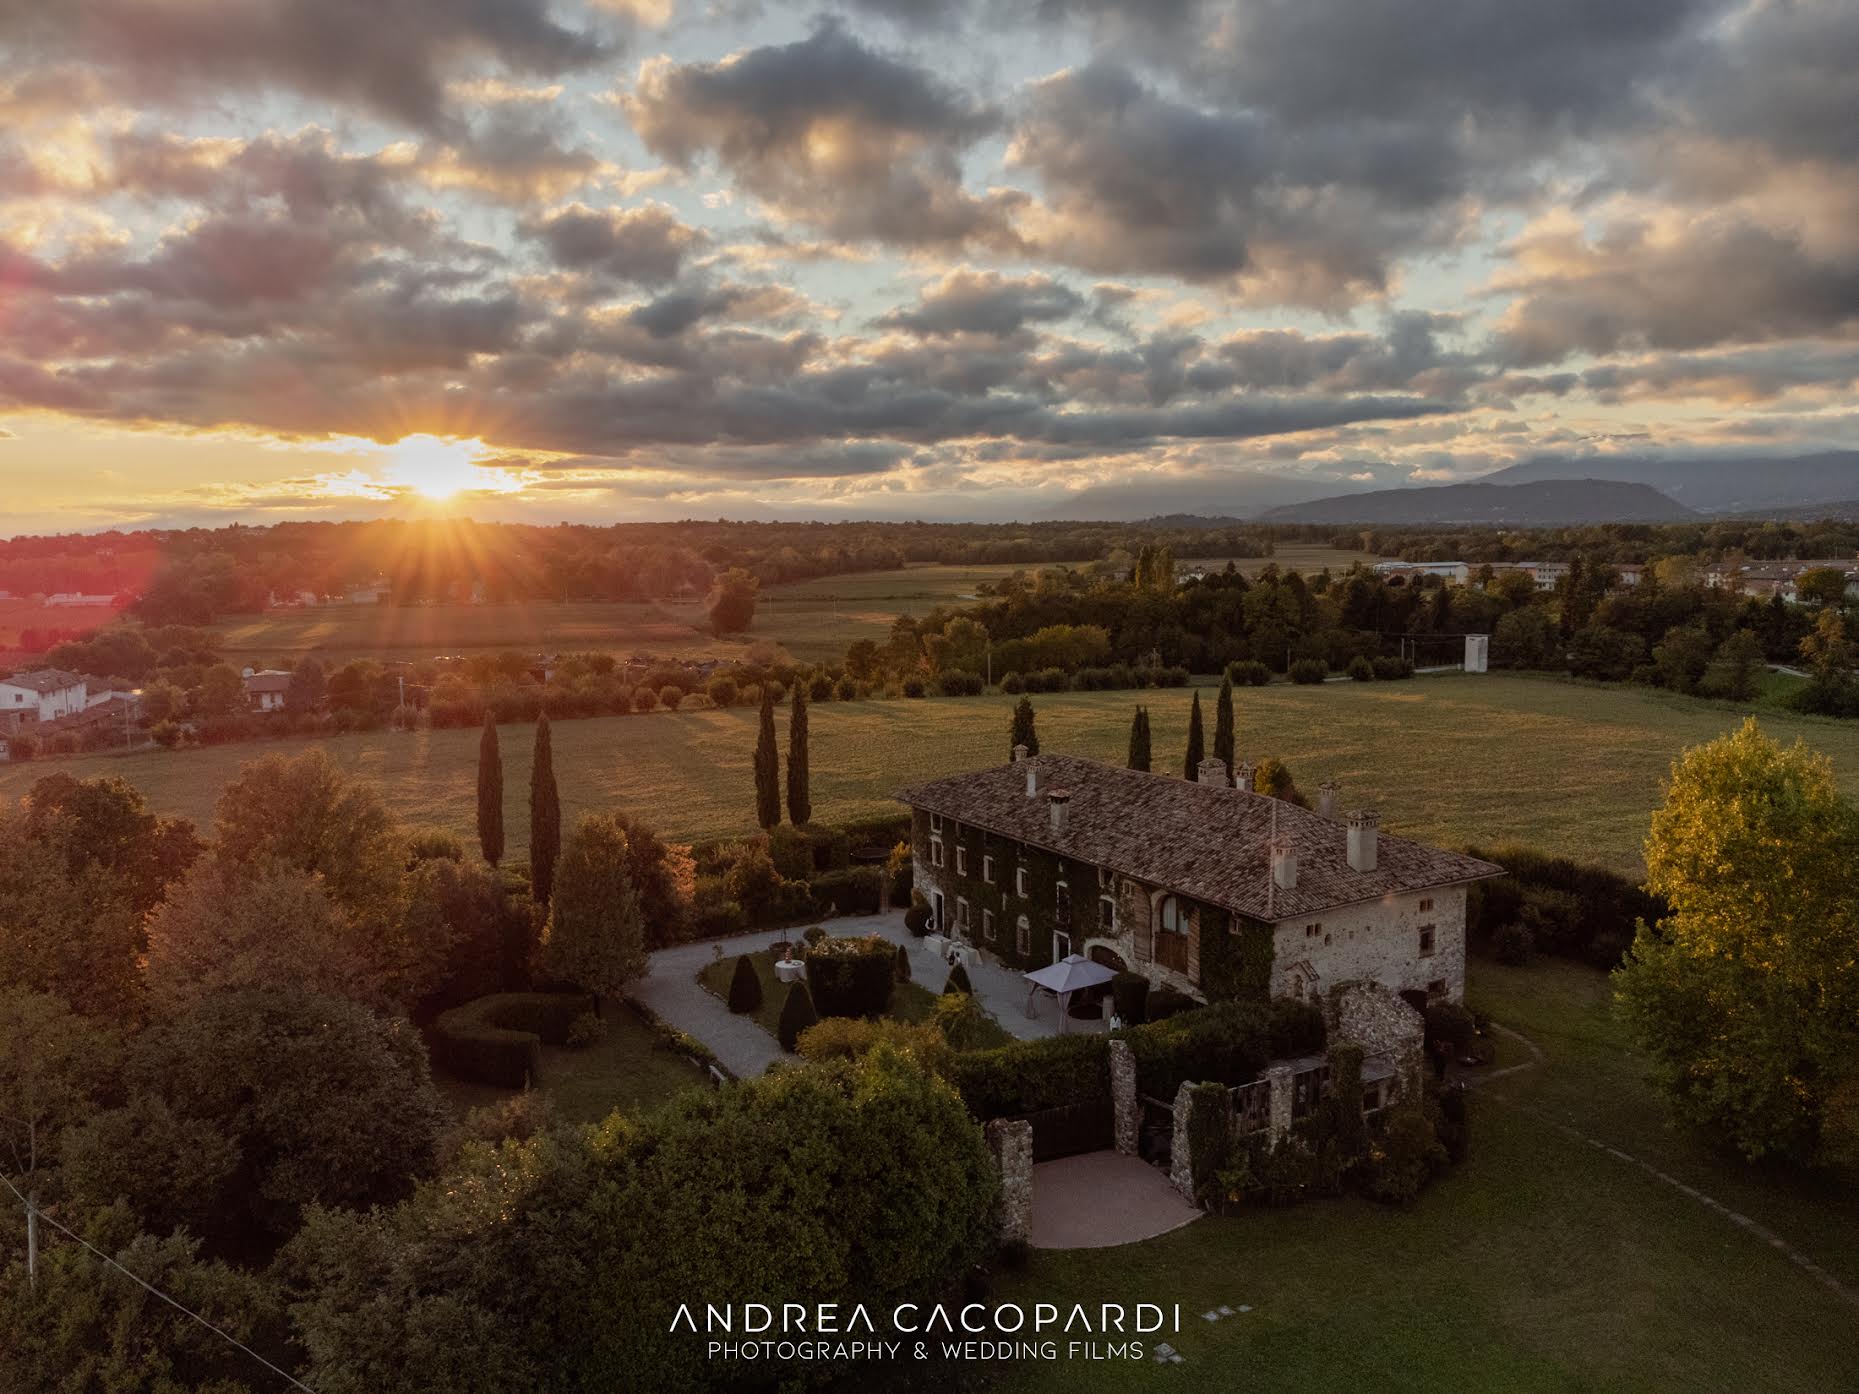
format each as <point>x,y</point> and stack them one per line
<point>1543,1265</point>
<point>1568,767</point>
<point>813,620</point>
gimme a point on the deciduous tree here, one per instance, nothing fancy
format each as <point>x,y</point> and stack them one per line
<point>732,601</point>
<point>594,938</point>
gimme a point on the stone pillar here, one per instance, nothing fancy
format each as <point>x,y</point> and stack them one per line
<point>1180,1164</point>
<point>1010,1141</point>
<point>1128,1108</point>
<point>1279,1078</point>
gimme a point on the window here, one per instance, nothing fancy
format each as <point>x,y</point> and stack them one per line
<point>1172,921</point>
<point>987,869</point>
<point>961,861</point>
<point>1106,879</point>
<point>961,912</point>
<point>935,851</point>
<point>1436,988</point>
<point>1062,903</point>
<point>987,925</point>
<point>1019,880</point>
<point>935,822</point>
<point>1311,931</point>
<point>1426,940</point>
<point>1023,936</point>
<point>1426,905</point>
<point>1107,914</point>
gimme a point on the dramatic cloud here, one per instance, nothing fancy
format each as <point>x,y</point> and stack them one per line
<point>646,246</point>
<point>985,302</point>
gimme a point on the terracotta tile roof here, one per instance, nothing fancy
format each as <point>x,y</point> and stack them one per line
<point>44,680</point>
<point>1205,841</point>
<point>268,681</point>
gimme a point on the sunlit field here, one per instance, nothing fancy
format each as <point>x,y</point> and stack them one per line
<point>1568,767</point>
<point>18,614</point>
<point>813,620</point>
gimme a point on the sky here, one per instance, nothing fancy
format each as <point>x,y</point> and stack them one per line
<point>606,260</point>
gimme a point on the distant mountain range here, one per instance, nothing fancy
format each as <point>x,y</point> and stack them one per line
<point>1541,504</point>
<point>1764,487</point>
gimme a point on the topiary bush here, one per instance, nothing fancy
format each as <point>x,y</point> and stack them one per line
<point>1309,670</point>
<point>958,981</point>
<point>797,1014</point>
<point>498,1039</point>
<point>745,987</point>
<point>901,970</point>
<point>586,1030</point>
<point>917,917</point>
<point>1129,995</point>
<point>855,891</point>
<point>1027,1076</point>
<point>851,977</point>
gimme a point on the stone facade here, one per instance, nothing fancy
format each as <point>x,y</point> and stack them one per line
<point>1382,1024</point>
<point>1010,1141</point>
<point>1180,1158</point>
<point>1384,941</point>
<point>1126,1106</point>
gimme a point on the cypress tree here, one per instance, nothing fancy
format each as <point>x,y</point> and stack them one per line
<point>545,816</point>
<point>1197,742</point>
<point>767,767</point>
<point>1223,726</point>
<point>1139,740</point>
<point>1023,732</point>
<point>799,791</point>
<point>958,982</point>
<point>490,793</point>
<point>745,987</point>
<point>797,1014</point>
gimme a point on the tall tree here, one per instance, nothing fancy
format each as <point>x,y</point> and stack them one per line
<point>799,787</point>
<point>1223,726</point>
<point>1024,732</point>
<point>490,792</point>
<point>1197,741</point>
<point>595,938</point>
<point>1139,740</point>
<point>1746,995</point>
<point>732,601</point>
<point>767,766</point>
<point>545,816</point>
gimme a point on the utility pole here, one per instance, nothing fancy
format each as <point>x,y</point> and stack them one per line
<point>32,1238</point>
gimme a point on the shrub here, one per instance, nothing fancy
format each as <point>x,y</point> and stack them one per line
<point>669,697</point>
<point>960,1020</point>
<point>813,935</point>
<point>721,690</point>
<point>1027,1076</point>
<point>1309,670</point>
<point>644,699</point>
<point>165,734</point>
<point>1130,994</point>
<point>845,690</point>
<point>820,687</point>
<point>586,1030</point>
<point>851,892</point>
<point>851,977</point>
<point>1248,672</point>
<point>745,987</point>
<point>917,917</point>
<point>913,686</point>
<point>1404,1159</point>
<point>900,876</point>
<point>958,981</point>
<point>1012,684</point>
<point>1165,1002</point>
<point>797,1014</point>
<point>1171,677</point>
<point>1229,1043</point>
<point>435,844</point>
<point>957,683</point>
<point>1513,944</point>
<point>1450,1022</point>
<point>790,852</point>
<point>714,912</point>
<point>1392,669</point>
<point>498,1039</point>
<point>902,969</point>
<point>1296,1028</point>
<point>1360,669</point>
<point>1595,927</point>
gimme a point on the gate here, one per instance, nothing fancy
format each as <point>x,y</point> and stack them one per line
<point>1155,1132</point>
<point>1073,1128</point>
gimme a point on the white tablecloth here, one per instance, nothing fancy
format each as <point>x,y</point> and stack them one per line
<point>790,972</point>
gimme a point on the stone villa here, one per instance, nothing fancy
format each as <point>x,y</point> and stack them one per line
<point>1203,886</point>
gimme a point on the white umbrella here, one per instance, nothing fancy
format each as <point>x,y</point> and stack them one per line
<point>1070,974</point>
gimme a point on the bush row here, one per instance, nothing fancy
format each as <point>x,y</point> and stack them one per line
<point>1556,905</point>
<point>498,1039</point>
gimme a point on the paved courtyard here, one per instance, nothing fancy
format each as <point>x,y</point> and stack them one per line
<point>1100,1199</point>
<point>670,988</point>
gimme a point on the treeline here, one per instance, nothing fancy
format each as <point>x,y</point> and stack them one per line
<point>1616,543</point>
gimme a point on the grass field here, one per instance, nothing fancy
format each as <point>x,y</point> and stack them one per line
<point>909,1001</point>
<point>1568,767</point>
<point>17,614</point>
<point>628,1070</point>
<point>1541,1264</point>
<point>813,620</point>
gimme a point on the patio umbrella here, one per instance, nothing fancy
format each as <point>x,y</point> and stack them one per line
<point>1070,974</point>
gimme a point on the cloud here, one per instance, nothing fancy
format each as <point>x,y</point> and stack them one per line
<point>829,132</point>
<point>966,301</point>
<point>644,246</point>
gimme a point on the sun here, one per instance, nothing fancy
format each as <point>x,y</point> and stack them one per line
<point>439,468</point>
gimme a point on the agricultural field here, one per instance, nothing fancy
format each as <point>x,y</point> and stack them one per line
<point>813,620</point>
<point>1565,766</point>
<point>18,613</point>
<point>1544,1263</point>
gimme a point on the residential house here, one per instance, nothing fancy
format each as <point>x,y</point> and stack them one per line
<point>45,694</point>
<point>1201,886</point>
<point>1406,571</point>
<point>266,690</point>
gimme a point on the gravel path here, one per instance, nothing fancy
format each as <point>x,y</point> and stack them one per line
<point>670,988</point>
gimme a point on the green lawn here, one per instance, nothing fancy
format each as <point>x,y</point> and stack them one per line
<point>909,1001</point>
<point>1541,1264</point>
<point>1568,767</point>
<point>628,1070</point>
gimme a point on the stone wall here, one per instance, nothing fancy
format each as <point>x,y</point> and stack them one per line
<point>1180,1162</point>
<point>1382,1024</point>
<point>1123,1098</point>
<point>1010,1141</point>
<point>1379,942</point>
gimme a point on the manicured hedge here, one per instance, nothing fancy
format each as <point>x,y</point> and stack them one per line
<point>1228,1043</point>
<point>498,1039</point>
<point>851,977</point>
<point>1031,1075</point>
<point>859,891</point>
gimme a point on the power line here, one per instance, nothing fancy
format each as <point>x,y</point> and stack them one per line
<point>34,1210</point>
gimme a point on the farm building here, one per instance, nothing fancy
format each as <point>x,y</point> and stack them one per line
<point>1201,886</point>
<point>266,691</point>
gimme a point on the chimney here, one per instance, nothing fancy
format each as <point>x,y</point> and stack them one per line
<point>1058,804</point>
<point>1326,797</point>
<point>1032,778</point>
<point>1284,866</point>
<point>1211,772</point>
<point>1364,839</point>
<point>1242,776</point>
<point>1019,753</point>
